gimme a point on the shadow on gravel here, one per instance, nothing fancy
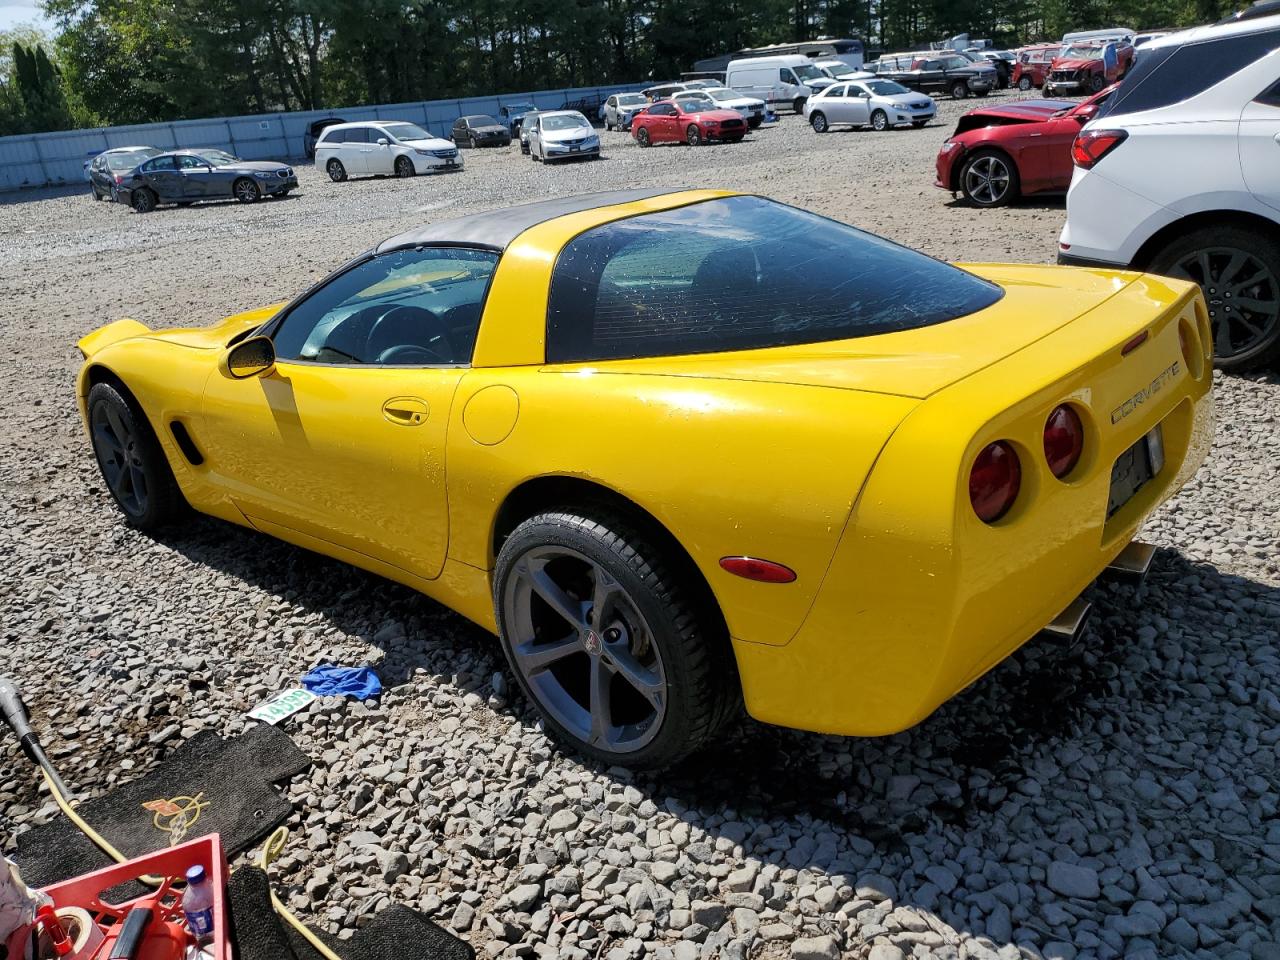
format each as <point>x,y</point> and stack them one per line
<point>1050,201</point>
<point>1048,714</point>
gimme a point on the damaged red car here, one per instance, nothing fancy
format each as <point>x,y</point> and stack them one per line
<point>1022,147</point>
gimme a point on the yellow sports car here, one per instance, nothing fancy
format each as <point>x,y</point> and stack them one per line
<point>685,450</point>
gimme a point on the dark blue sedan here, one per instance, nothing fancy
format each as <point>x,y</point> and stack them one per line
<point>187,176</point>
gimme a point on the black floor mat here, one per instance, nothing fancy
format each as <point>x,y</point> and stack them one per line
<point>232,779</point>
<point>397,933</point>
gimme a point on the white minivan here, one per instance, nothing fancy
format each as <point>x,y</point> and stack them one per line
<point>784,79</point>
<point>382,147</point>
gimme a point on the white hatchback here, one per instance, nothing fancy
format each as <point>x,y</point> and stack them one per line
<point>1179,174</point>
<point>383,148</point>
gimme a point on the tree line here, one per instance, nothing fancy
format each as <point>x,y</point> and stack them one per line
<point>138,61</point>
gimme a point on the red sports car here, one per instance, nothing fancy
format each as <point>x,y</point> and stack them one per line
<point>1021,147</point>
<point>669,121</point>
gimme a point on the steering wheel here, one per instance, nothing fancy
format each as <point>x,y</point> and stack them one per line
<point>426,333</point>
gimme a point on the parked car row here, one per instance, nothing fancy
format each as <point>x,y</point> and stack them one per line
<point>937,71</point>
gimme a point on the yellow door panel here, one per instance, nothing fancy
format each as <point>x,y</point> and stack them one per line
<point>353,455</point>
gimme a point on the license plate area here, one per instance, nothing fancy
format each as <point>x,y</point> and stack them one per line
<point>1134,468</point>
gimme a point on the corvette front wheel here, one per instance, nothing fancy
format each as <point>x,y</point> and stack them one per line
<point>132,463</point>
<point>623,660</point>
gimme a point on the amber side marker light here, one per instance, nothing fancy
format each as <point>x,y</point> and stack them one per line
<point>762,571</point>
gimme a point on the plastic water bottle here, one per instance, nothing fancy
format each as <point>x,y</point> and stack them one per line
<point>197,904</point>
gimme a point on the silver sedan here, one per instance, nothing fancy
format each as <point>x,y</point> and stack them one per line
<point>880,104</point>
<point>563,135</point>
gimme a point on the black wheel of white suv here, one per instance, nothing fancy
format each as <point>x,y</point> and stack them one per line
<point>1238,269</point>
<point>620,654</point>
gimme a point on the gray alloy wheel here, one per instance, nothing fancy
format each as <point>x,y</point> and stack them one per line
<point>692,135</point>
<point>143,200</point>
<point>1024,84</point>
<point>404,167</point>
<point>245,190</point>
<point>337,172</point>
<point>642,136</point>
<point>818,120</point>
<point>584,649</point>
<point>1243,296</point>
<point>989,180</point>
<point>880,121</point>
<point>959,90</point>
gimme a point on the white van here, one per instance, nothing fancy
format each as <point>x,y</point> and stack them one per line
<point>786,79</point>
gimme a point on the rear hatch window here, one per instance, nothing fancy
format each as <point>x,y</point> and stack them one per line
<point>741,273</point>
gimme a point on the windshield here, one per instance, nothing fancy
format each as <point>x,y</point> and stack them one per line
<point>885,88</point>
<point>955,63</point>
<point>484,120</point>
<point>723,93</point>
<point>694,100</point>
<point>218,158</point>
<point>741,273</point>
<point>406,131</point>
<point>631,100</point>
<point>130,159</point>
<point>564,121</point>
<point>810,72</point>
<point>1081,53</point>
<point>514,108</point>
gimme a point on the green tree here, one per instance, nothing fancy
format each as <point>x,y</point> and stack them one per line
<point>37,84</point>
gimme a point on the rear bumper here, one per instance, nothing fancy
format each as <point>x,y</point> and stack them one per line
<point>922,598</point>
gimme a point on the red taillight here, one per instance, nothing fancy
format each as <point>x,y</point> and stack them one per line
<point>119,179</point>
<point>994,481</point>
<point>1092,145</point>
<point>753,568</point>
<point>1063,440</point>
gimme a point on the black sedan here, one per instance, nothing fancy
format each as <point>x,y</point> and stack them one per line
<point>108,168</point>
<point>186,176</point>
<point>480,131</point>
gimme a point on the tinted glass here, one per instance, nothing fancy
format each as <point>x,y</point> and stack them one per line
<point>1168,75</point>
<point>837,90</point>
<point>404,131</point>
<point>188,162</point>
<point>885,88</point>
<point>484,120</point>
<point>218,158</point>
<point>406,307</point>
<point>356,135</point>
<point>564,121</point>
<point>160,163</point>
<point>124,161</point>
<point>741,273</point>
<point>1269,97</point>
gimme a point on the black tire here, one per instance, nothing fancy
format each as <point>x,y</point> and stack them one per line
<point>607,125</point>
<point>337,172</point>
<point>798,104</point>
<point>818,120</point>
<point>755,122</point>
<point>143,200</point>
<point>692,135</point>
<point>185,203</point>
<point>131,461</point>
<point>918,124</point>
<point>959,90</point>
<point>246,191</point>
<point>981,93</point>
<point>993,169</point>
<point>96,194</point>
<point>404,167</point>
<point>1096,83</point>
<point>685,637</point>
<point>1243,337</point>
<point>524,147</point>
<point>642,137</point>
<point>879,121</point>
<point>1024,84</point>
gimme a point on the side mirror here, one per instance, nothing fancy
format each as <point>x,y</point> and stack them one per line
<point>254,357</point>
<point>383,141</point>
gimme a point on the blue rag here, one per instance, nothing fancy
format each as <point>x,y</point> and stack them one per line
<point>327,680</point>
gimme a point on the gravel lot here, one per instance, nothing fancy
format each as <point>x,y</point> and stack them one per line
<point>1116,799</point>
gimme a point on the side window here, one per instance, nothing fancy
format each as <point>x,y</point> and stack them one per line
<point>186,162</point>
<point>356,135</point>
<point>1183,72</point>
<point>418,307</point>
<point>786,76</point>
<point>160,164</point>
<point>1269,97</point>
<point>839,90</point>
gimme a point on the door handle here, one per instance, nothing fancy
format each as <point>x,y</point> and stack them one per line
<point>406,411</point>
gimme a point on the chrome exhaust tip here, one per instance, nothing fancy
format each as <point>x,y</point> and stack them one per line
<point>1067,626</point>
<point>1132,565</point>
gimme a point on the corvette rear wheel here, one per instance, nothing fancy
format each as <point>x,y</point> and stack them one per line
<point>620,659</point>
<point>989,179</point>
<point>132,463</point>
<point>1238,271</point>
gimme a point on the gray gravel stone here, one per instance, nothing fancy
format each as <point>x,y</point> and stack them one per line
<point>815,948</point>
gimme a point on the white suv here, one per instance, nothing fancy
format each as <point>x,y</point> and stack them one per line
<point>1179,174</point>
<point>382,148</point>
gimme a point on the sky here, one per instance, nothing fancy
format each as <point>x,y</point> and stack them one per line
<point>14,12</point>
